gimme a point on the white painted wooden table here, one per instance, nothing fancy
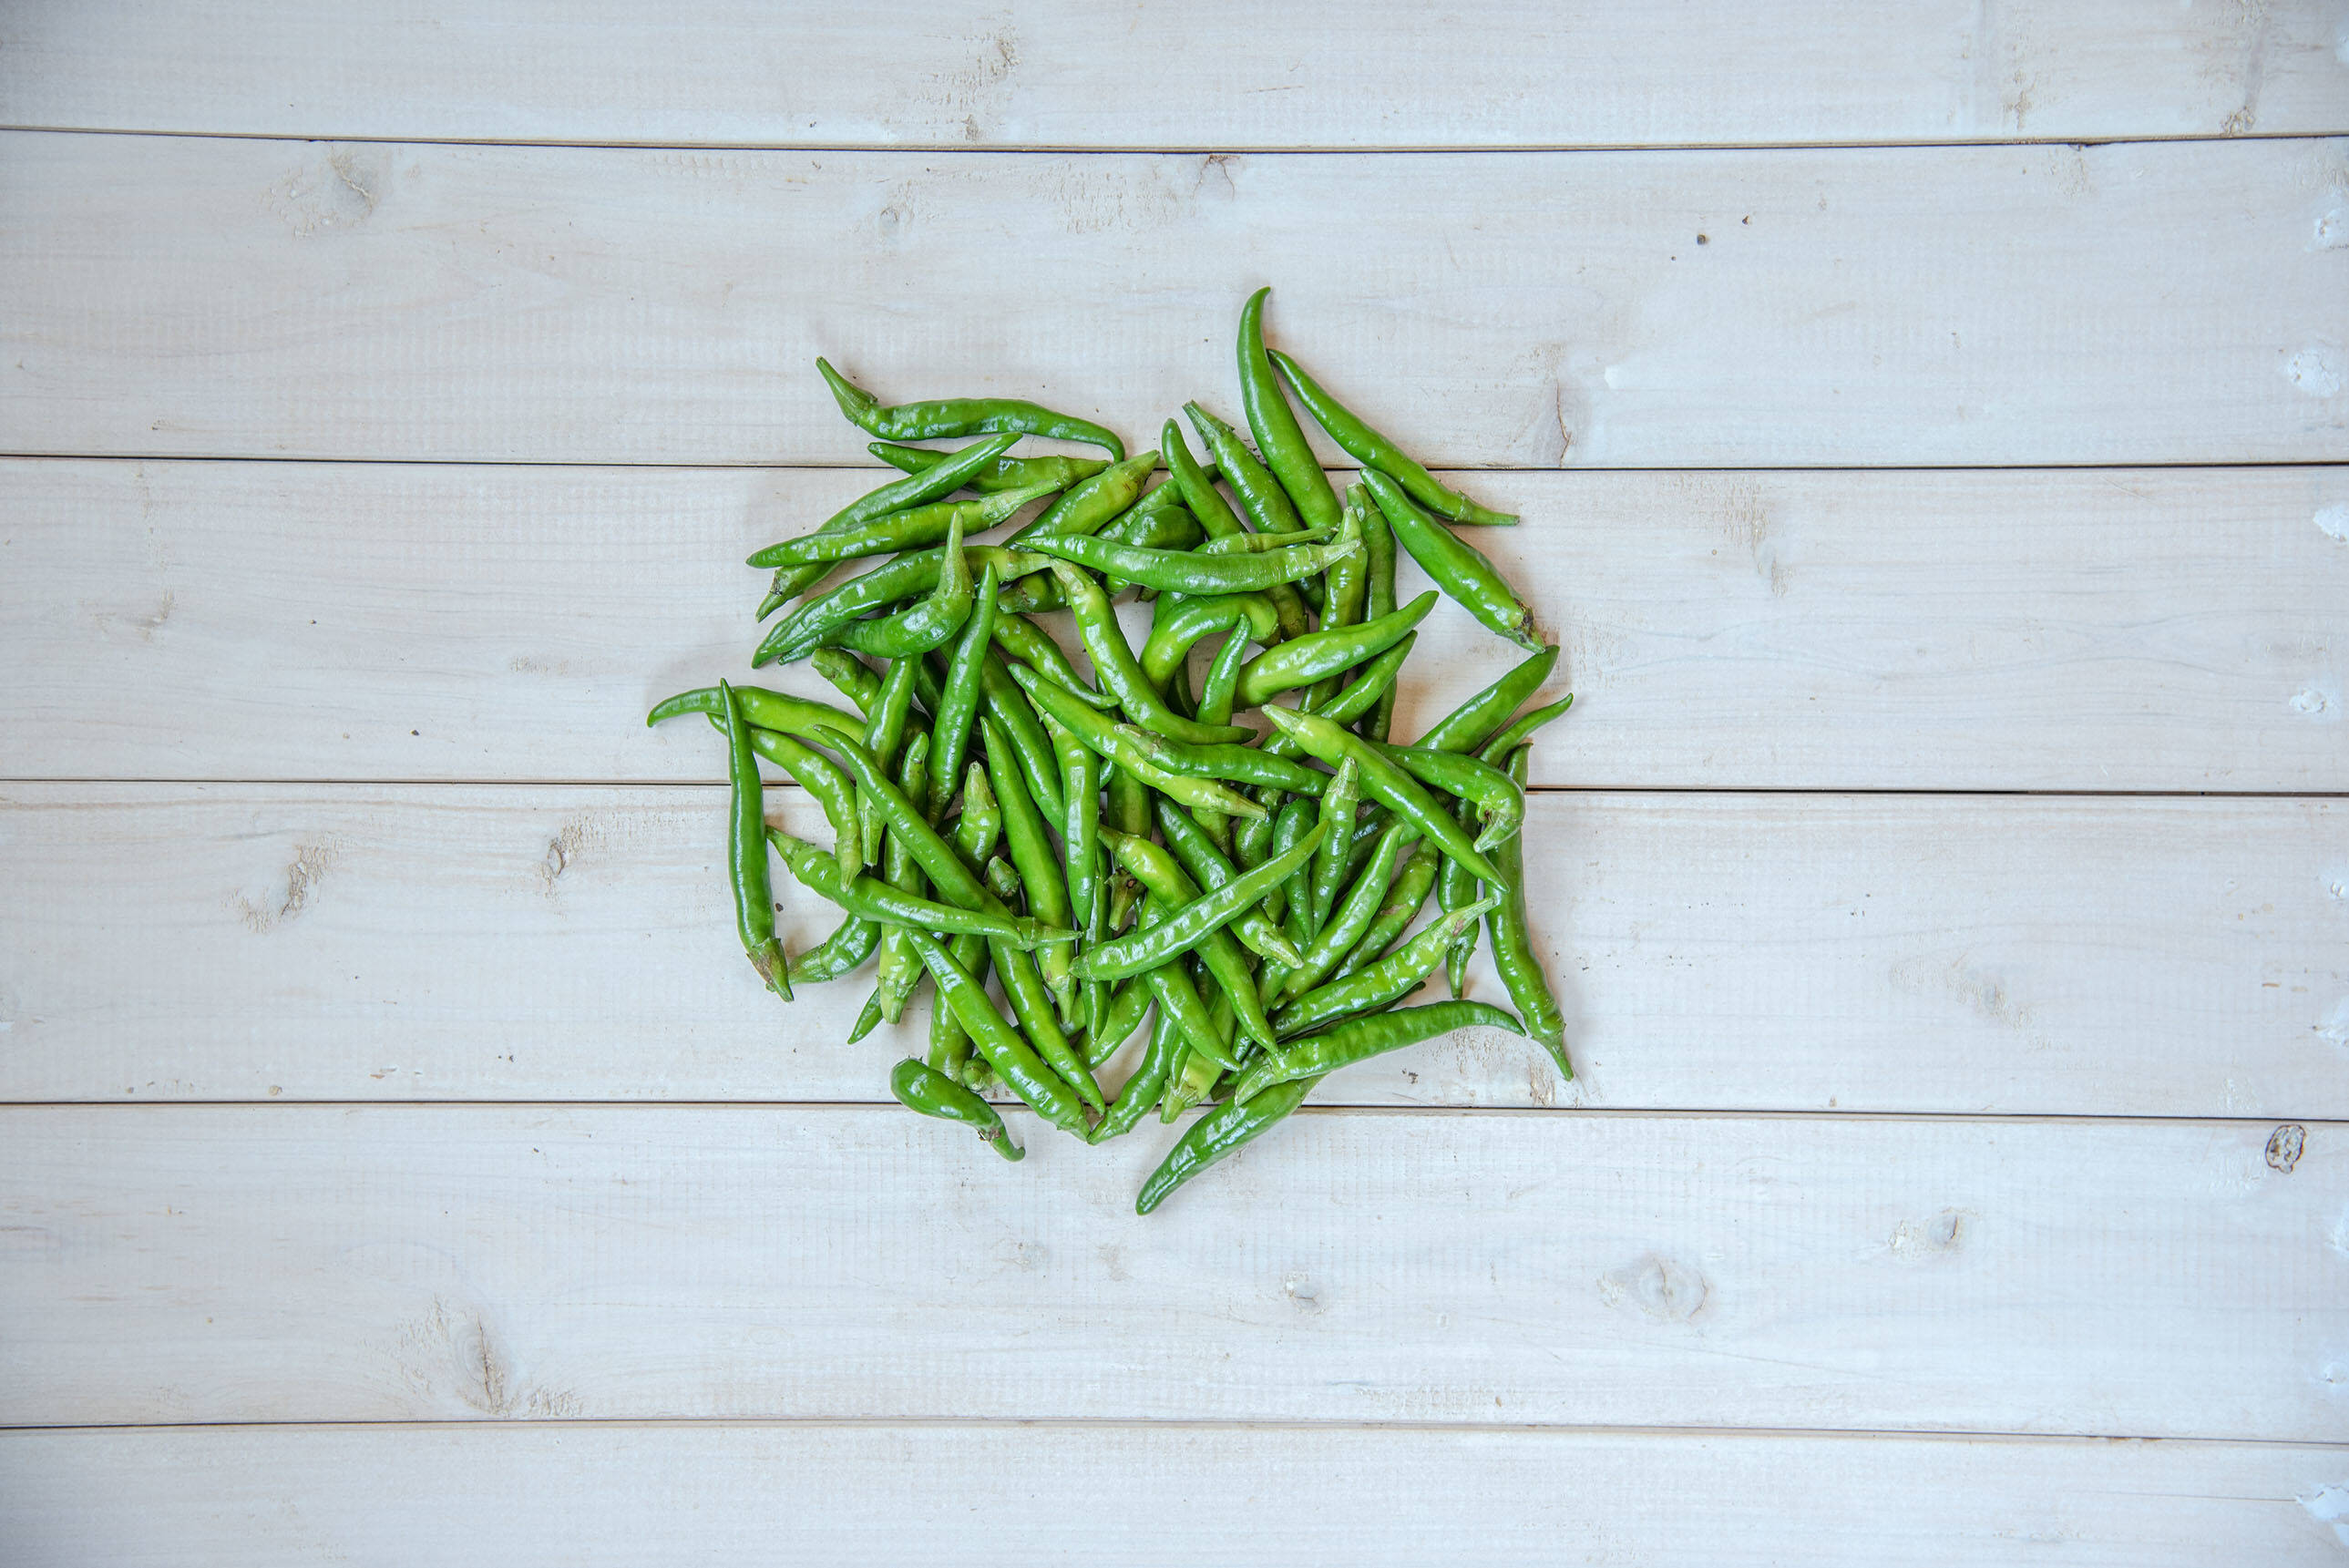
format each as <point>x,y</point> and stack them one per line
<point>1931,424</point>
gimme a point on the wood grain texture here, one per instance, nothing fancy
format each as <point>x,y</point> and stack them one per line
<point>1991,306</point>
<point>1804,953</point>
<point>2144,629</point>
<point>286,1262</point>
<point>584,1494</point>
<point>1056,74</point>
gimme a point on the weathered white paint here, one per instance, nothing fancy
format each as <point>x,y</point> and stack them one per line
<point>286,1262</point>
<point>581,1494</point>
<point>1967,306</point>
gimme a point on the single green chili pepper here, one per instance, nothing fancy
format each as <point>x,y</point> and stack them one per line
<point>1374,985</point>
<point>1086,508</point>
<point>1456,566</point>
<point>959,696</point>
<point>881,902</point>
<point>885,732</point>
<point>1193,572</point>
<point>1512,949</point>
<point>1038,766</point>
<point>1456,888</point>
<point>1005,1051</point>
<point>1192,924</point>
<point>806,629</point>
<point>917,1087</point>
<point>1218,1134</point>
<point>1363,1039</point>
<point>1252,838</point>
<point>1031,855</point>
<point>1005,473</point>
<point>982,817</point>
<point>870,1019</point>
<point>899,970</point>
<point>1241,764</point>
<point>1196,480</point>
<point>851,675</point>
<point>1268,506</point>
<point>1119,672</point>
<point>1122,1014</point>
<point>1367,446</point>
<point>1116,742</point>
<point>1177,996</point>
<point>765,709</point>
<point>1349,579</point>
<point>1496,751</point>
<point>1178,624</point>
<point>1291,822</point>
<point>1384,781</point>
<point>1470,725</point>
<point>745,860</point>
<point>842,952</point>
<point>1207,866</point>
<point>949,1047</point>
<point>1022,639</point>
<point>820,777</point>
<point>1278,435</point>
<point>1220,691</point>
<point>1352,917</point>
<point>912,529</point>
<point>1301,661</point>
<point>948,418</point>
<point>1359,696</point>
<point>928,624</point>
<point>1141,1090</point>
<point>1404,899</point>
<point>949,473</point>
<point>1174,891</point>
<point>1336,832</point>
<point>1490,790</point>
<point>1159,521</point>
<point>1379,550</point>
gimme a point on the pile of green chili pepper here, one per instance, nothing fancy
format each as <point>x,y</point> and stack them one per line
<point>1115,854</point>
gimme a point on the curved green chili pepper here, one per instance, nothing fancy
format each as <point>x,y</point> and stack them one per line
<point>800,633</point>
<point>1378,552</point>
<point>842,952</point>
<point>1086,509</point>
<point>1119,672</point>
<point>1367,446</point>
<point>1196,480</point>
<point>1005,1051</point>
<point>1481,784</point>
<point>912,633</point>
<point>1513,948</point>
<point>1366,1038</point>
<point>1456,566</point>
<point>1301,661</point>
<point>1209,868</point>
<point>1141,1090</point>
<point>1277,436</point>
<point>1404,899</point>
<point>878,901</point>
<point>746,854</point>
<point>851,675</point>
<point>1470,725</point>
<point>820,777</point>
<point>1241,764</point>
<point>1022,639</point>
<point>1373,986</point>
<point>1496,751</point>
<point>1005,473</point>
<point>1193,572</point>
<point>1195,922</point>
<point>1365,692</point>
<point>958,694</point>
<point>1199,1070</point>
<point>1174,890</point>
<point>911,529</point>
<point>1178,998</point>
<point>1384,781</point>
<point>765,709</point>
<point>1336,832</point>
<point>899,970</point>
<point>1038,765</point>
<point>1032,857</point>
<point>1220,690</point>
<point>945,419</point>
<point>1220,1133</point>
<point>947,474</point>
<point>1352,918</point>
<point>1178,624</point>
<point>1079,824</point>
<point>917,1087</point>
<point>885,732</point>
<point>1456,888</point>
<point>1260,494</point>
<point>1152,523</point>
<point>1118,744</point>
<point>1127,1004</point>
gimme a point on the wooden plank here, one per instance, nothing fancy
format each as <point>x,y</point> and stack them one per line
<point>1803,953</point>
<point>1931,305</point>
<point>287,1263</point>
<point>1211,75</point>
<point>2146,629</point>
<point>700,1494</point>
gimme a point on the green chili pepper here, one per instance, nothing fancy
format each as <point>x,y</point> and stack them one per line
<point>820,777</point>
<point>1178,624</point>
<point>1286,452</point>
<point>917,1087</point>
<point>1207,866</point>
<point>1404,899</point>
<point>911,529</point>
<point>948,418</point>
<point>1193,573</point>
<point>883,902</point>
<point>1356,699</point>
<point>1177,996</point>
<point>1022,639</point>
<point>1038,765</point>
<point>1032,857</point>
<point>1241,764</point>
<point>1481,784</point>
<point>1194,923</point>
<point>1363,1039</point>
<point>806,629</point>
<point>842,952</point>
<point>1470,725</point>
<point>1141,1090</point>
<point>1114,664</point>
<point>854,679</point>
<point>1378,552</point>
<point>1196,480</point>
<point>1456,888</point>
<point>1367,446</point>
<point>885,732</point>
<point>1159,521</point>
<point>765,709</point>
<point>1336,832</point>
<point>1497,750</point>
<point>1301,661</point>
<point>745,860</point>
<point>1118,1019</point>
<point>1080,824</point>
<point>1003,474</point>
<point>1218,693</point>
<point>928,624</point>
<point>1352,917</point>
<point>1512,949</point>
<point>959,696</point>
<point>1268,506</point>
<point>1175,891</point>
<point>899,970</point>
<point>1218,1134</point>
<point>1086,508</point>
<point>1456,566</point>
<point>1374,985</point>
<point>1118,744</point>
<point>1259,543</point>
<point>1005,1051</point>
<point>948,472</point>
<point>1384,781</point>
